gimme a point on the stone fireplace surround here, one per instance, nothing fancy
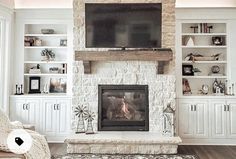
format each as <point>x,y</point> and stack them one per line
<point>161,89</point>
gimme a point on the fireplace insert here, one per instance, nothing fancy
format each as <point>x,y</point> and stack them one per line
<point>123,108</point>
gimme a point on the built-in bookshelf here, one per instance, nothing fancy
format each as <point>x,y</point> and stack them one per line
<point>203,56</point>
<point>46,56</point>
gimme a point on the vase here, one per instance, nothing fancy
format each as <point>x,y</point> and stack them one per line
<point>80,125</point>
<point>44,58</point>
<point>89,128</point>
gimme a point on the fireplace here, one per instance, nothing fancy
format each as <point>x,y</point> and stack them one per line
<point>123,108</point>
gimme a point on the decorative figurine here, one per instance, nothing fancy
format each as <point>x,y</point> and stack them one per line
<point>186,87</point>
<point>80,112</point>
<point>89,117</point>
<point>205,89</point>
<point>168,123</point>
<point>195,29</point>
<point>19,89</point>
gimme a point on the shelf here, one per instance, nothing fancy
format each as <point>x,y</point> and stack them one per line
<point>47,35</point>
<point>161,55</point>
<point>46,74</point>
<point>210,47</point>
<point>203,34</point>
<point>45,62</point>
<point>204,62</point>
<point>205,77</point>
<point>45,47</point>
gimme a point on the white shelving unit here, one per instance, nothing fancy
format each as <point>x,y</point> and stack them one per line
<point>32,54</point>
<point>203,45</point>
<point>49,112</point>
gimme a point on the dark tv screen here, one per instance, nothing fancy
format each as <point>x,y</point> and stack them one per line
<point>123,25</point>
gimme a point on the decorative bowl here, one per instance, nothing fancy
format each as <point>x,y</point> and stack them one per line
<point>47,31</point>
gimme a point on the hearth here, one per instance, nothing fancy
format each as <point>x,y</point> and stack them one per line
<point>123,108</point>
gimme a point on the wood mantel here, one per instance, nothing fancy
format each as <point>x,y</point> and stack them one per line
<point>161,55</point>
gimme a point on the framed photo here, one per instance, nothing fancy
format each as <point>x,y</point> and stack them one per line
<point>187,70</point>
<point>57,85</point>
<point>34,85</point>
<point>217,40</point>
<point>63,42</point>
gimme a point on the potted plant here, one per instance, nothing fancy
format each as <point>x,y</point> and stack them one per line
<point>47,55</point>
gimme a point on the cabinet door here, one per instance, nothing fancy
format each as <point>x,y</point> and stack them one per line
<point>64,107</point>
<point>231,124</point>
<point>218,119</point>
<point>201,119</point>
<point>186,119</point>
<point>25,111</point>
<point>49,124</point>
<point>33,114</point>
<point>18,111</point>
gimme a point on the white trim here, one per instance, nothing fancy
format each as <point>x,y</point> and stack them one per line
<point>6,16</point>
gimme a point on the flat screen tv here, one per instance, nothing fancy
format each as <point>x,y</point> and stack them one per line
<point>123,25</point>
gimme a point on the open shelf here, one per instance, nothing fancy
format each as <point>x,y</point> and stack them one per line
<point>45,62</point>
<point>209,77</point>
<point>45,47</point>
<point>46,35</point>
<point>45,74</point>
<point>207,46</point>
<point>204,62</point>
<point>203,34</point>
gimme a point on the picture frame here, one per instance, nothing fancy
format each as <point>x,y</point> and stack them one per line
<point>34,84</point>
<point>63,42</point>
<point>217,40</point>
<point>187,70</point>
<point>57,85</point>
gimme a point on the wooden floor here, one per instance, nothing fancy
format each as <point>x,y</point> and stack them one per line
<point>202,152</point>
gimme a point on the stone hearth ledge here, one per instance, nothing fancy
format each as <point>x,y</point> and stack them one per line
<point>122,143</point>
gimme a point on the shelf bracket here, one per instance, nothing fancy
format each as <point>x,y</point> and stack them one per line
<point>87,67</point>
<point>160,67</point>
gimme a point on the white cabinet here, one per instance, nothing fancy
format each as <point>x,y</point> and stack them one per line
<point>207,120</point>
<point>56,118</point>
<point>223,118</point>
<point>50,115</point>
<point>193,119</point>
<point>26,111</point>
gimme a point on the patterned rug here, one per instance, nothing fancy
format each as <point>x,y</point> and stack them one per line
<point>104,156</point>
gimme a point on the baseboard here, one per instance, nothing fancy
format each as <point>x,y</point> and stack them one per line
<point>231,142</point>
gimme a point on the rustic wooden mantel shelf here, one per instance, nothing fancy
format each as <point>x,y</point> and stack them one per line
<point>161,55</point>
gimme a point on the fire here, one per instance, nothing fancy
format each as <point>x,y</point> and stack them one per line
<point>125,110</point>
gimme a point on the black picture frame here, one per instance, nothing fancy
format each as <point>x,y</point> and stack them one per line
<point>187,70</point>
<point>34,85</point>
<point>217,40</point>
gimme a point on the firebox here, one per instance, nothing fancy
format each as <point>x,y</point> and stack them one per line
<point>123,108</point>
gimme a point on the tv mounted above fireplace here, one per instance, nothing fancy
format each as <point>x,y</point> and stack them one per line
<point>136,25</point>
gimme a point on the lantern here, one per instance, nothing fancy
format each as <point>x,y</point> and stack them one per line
<point>168,121</point>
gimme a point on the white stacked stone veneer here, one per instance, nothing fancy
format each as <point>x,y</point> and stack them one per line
<point>161,87</point>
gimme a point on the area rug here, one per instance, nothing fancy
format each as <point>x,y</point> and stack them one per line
<point>104,156</point>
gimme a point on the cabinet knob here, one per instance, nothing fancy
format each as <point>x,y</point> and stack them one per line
<point>23,107</point>
<point>228,107</point>
<point>225,107</point>
<point>27,106</point>
<point>191,107</point>
<point>195,107</point>
<point>54,106</point>
<point>58,106</point>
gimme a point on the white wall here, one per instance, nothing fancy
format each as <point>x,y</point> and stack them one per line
<point>205,3</point>
<point>68,3</point>
<point>43,3</point>
<point>7,3</point>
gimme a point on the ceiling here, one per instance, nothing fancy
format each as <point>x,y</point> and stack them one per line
<point>68,3</point>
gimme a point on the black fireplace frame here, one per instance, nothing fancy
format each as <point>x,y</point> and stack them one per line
<point>126,125</point>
